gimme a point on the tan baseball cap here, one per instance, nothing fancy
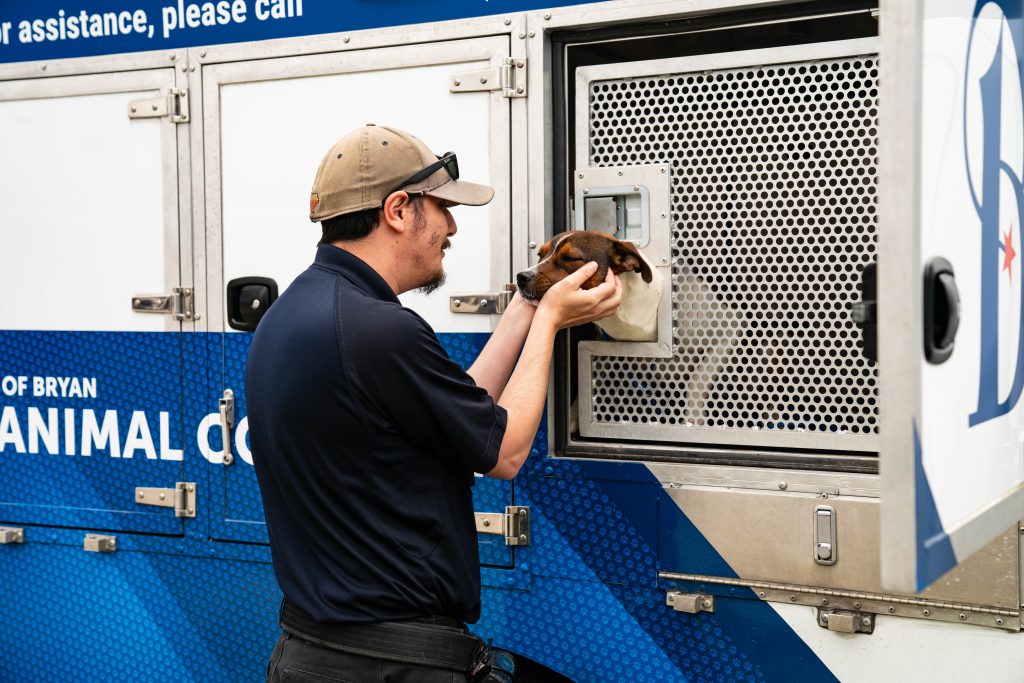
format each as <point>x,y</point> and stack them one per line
<point>364,166</point>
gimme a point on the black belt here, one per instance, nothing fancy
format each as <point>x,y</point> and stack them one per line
<point>412,642</point>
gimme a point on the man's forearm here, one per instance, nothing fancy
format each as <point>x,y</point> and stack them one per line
<point>494,365</point>
<point>524,398</point>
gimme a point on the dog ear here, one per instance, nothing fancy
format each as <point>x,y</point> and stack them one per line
<point>627,257</point>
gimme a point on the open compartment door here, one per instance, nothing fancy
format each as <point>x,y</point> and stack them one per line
<point>950,283</point>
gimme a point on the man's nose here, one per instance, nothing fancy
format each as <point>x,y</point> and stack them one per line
<point>452,228</point>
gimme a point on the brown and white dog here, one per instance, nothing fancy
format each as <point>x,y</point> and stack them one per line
<point>637,317</point>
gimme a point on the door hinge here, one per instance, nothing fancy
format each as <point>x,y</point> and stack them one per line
<point>182,498</point>
<point>513,524</point>
<point>691,603</point>
<point>172,103</point>
<point>488,303</point>
<point>100,543</point>
<point>509,78</point>
<point>10,534</point>
<point>180,304</point>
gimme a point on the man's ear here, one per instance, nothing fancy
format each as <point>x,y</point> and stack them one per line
<point>627,257</point>
<point>396,208</point>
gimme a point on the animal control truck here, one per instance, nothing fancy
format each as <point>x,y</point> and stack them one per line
<point>814,472</point>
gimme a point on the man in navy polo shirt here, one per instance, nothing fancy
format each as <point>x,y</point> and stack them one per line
<point>365,436</point>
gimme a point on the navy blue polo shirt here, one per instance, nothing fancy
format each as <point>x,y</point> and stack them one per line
<point>365,437</point>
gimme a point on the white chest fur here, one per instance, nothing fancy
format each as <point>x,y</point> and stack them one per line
<point>637,316</point>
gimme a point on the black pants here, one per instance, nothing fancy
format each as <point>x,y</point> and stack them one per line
<point>296,660</point>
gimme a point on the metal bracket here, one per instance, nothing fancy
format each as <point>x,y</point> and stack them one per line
<point>845,621</point>
<point>180,304</point>
<point>173,103</point>
<point>513,524</point>
<point>489,303</point>
<point>182,498</point>
<point>691,603</point>
<point>509,78</point>
<point>9,534</point>
<point>98,543</point>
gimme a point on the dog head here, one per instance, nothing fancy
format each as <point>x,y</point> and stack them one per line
<point>569,251</point>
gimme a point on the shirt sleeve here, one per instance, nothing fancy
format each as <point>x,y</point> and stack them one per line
<point>407,376</point>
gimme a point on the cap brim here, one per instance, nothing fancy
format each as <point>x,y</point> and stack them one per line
<point>462,192</point>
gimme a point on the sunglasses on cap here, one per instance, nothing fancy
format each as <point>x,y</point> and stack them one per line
<point>447,161</point>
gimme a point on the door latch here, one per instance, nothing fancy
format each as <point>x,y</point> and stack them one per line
<point>227,423</point>
<point>490,303</point>
<point>182,498</point>
<point>173,103</point>
<point>691,603</point>
<point>846,621</point>
<point>825,535</point>
<point>513,524</point>
<point>180,304</point>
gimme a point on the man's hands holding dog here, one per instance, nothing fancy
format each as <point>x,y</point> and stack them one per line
<point>566,305</point>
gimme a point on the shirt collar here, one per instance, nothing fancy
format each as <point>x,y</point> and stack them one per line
<point>355,270</point>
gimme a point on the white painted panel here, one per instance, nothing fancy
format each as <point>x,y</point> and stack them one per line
<point>903,649</point>
<point>274,133</point>
<point>83,221</point>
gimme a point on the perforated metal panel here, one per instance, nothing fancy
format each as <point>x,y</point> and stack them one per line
<point>774,193</point>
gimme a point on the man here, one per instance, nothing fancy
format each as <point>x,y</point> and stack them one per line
<point>365,436</point>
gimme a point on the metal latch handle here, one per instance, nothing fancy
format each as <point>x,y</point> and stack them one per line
<point>489,303</point>
<point>227,422</point>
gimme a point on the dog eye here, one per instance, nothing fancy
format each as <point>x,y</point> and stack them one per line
<point>570,259</point>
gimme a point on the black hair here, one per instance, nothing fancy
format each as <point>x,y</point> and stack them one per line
<point>349,227</point>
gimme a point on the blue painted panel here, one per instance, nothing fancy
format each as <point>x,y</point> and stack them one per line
<point>131,616</point>
<point>137,379</point>
<point>164,25</point>
<point>236,493</point>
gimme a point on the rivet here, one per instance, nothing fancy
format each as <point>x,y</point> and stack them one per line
<point>457,82</point>
<point>522,35</point>
<point>706,604</point>
<point>43,67</point>
<point>483,79</point>
<point>662,170</point>
<point>824,618</point>
<point>664,260</point>
<point>154,107</point>
<point>191,488</point>
<point>163,496</point>
<point>532,34</point>
<point>384,142</point>
<point>926,612</point>
<point>184,67</point>
<point>866,621</point>
<point>783,485</point>
<point>586,191</point>
<point>963,617</point>
<point>523,539</point>
<point>999,622</point>
<point>202,53</point>
<point>636,188</point>
<point>345,39</point>
<point>792,598</point>
<point>620,172</point>
<point>487,522</point>
<point>507,22</point>
<point>663,215</point>
<point>136,301</point>
<point>532,245</point>
<point>520,64</point>
<point>456,303</point>
<point>142,494</point>
<point>580,175</point>
<point>191,511</point>
<point>856,605</point>
<point>761,594</point>
<point>188,292</point>
<point>824,602</point>
<point>192,68</point>
<point>547,15</point>
<point>172,57</point>
<point>483,302</point>
<point>891,609</point>
<point>520,90</point>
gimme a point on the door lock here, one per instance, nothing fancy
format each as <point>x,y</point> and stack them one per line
<point>227,422</point>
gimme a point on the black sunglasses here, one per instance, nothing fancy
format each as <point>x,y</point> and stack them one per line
<point>447,161</point>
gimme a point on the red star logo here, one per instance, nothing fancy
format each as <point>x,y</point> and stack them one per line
<point>1008,252</point>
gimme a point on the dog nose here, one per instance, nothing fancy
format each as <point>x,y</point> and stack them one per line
<point>523,279</point>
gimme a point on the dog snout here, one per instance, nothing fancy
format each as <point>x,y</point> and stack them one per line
<point>524,279</point>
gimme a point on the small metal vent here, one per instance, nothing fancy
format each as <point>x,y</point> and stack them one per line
<point>774,194</point>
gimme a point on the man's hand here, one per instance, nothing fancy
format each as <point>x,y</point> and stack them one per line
<point>566,305</point>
